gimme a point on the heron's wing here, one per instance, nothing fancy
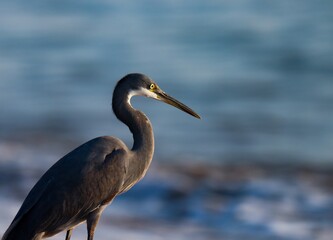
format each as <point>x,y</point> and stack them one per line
<point>84,179</point>
<point>70,203</point>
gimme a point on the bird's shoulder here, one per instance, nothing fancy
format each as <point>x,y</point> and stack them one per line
<point>103,144</point>
<point>108,142</point>
<point>115,158</point>
<point>93,151</point>
<point>108,153</point>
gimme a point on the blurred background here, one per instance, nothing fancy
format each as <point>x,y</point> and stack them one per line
<point>259,165</point>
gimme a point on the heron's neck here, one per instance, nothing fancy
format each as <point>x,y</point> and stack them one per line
<point>139,125</point>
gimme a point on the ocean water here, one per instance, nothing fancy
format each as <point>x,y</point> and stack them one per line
<point>258,72</point>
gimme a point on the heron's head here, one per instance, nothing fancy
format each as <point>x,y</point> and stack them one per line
<point>140,85</point>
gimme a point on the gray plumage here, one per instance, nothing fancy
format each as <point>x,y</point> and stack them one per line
<point>80,185</point>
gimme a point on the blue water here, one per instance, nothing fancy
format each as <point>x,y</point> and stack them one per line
<point>260,74</point>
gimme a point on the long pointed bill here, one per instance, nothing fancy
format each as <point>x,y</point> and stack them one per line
<point>162,96</point>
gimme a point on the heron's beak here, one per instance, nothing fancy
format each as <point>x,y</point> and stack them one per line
<point>162,96</point>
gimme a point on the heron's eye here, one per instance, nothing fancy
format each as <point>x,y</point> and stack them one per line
<point>152,86</point>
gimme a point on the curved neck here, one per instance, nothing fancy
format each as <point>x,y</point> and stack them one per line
<point>138,123</point>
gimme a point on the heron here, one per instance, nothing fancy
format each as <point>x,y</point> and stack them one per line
<point>78,187</point>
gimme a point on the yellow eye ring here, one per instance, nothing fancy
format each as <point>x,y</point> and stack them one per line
<point>152,86</point>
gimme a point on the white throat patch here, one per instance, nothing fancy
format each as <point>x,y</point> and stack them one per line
<point>141,92</point>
